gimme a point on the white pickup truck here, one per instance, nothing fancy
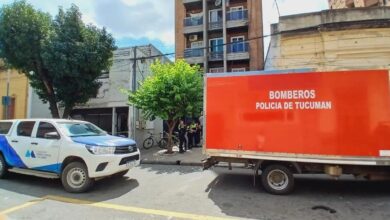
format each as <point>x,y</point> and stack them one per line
<point>77,152</point>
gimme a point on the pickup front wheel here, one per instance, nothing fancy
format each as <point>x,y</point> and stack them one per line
<point>3,167</point>
<point>75,178</point>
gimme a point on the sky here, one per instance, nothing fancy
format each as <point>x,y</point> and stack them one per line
<point>139,22</point>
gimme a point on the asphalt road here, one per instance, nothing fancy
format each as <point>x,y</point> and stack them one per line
<point>174,192</point>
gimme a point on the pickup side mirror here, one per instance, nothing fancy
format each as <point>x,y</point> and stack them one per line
<point>52,135</point>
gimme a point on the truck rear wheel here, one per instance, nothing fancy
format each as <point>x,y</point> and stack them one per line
<point>75,178</point>
<point>277,179</point>
<point>3,167</point>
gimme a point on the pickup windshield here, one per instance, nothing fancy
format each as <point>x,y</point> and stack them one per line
<point>77,129</point>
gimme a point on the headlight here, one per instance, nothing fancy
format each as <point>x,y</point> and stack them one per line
<point>99,150</point>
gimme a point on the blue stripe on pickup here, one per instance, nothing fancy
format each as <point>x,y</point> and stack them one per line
<point>53,168</point>
<point>11,157</point>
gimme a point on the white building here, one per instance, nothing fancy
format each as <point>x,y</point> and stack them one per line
<point>110,109</point>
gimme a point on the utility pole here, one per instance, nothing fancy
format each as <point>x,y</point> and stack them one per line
<point>7,99</point>
<point>133,88</point>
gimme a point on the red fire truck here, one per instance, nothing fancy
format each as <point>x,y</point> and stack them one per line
<point>287,122</point>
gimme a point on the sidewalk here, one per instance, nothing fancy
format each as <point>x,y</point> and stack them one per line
<point>155,155</point>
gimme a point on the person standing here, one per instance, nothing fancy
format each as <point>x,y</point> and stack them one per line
<point>191,135</point>
<point>182,136</point>
<point>201,124</point>
<point>197,135</point>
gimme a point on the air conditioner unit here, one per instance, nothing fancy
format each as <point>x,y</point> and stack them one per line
<point>193,37</point>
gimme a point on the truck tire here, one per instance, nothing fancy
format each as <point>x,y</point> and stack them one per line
<point>3,167</point>
<point>75,178</point>
<point>277,179</point>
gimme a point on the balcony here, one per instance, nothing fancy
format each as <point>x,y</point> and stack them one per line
<point>237,18</point>
<point>215,25</point>
<point>194,55</point>
<point>191,1</point>
<point>238,51</point>
<point>193,25</point>
<point>216,56</point>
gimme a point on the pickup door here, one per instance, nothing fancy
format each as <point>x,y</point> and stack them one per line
<point>35,149</point>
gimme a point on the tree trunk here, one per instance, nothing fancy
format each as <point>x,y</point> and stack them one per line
<point>67,111</point>
<point>171,126</point>
<point>53,107</point>
<point>49,90</point>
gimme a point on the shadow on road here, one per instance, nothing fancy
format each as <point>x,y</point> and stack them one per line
<point>103,190</point>
<point>347,197</point>
<point>169,169</point>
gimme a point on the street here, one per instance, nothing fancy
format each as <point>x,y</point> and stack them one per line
<point>183,192</point>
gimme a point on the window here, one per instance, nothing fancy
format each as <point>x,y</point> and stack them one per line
<point>236,13</point>
<point>237,8</point>
<point>25,128</point>
<point>4,127</point>
<point>238,44</point>
<point>197,44</point>
<point>216,70</point>
<point>216,45</point>
<point>45,128</point>
<point>75,129</point>
<point>215,15</point>
<point>242,69</point>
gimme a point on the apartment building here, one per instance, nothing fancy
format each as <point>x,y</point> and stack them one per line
<point>220,35</point>
<point>336,4</point>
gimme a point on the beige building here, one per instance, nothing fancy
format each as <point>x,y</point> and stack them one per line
<point>220,35</point>
<point>17,91</point>
<point>332,40</point>
<point>336,4</point>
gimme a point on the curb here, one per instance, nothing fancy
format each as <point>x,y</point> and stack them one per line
<point>184,163</point>
<point>177,162</point>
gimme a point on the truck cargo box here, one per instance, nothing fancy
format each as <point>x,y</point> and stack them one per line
<point>338,117</point>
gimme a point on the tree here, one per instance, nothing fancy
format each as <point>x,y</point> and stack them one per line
<point>61,57</point>
<point>173,91</point>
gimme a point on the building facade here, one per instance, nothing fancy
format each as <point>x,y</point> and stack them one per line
<point>110,109</point>
<point>220,35</point>
<point>15,86</point>
<point>336,4</point>
<point>345,39</point>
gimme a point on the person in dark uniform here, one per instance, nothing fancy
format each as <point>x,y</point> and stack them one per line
<point>182,136</point>
<point>197,135</point>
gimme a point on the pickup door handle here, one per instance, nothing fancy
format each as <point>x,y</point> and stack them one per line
<point>34,143</point>
<point>14,141</point>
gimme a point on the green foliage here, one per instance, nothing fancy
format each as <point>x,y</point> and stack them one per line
<point>84,52</point>
<point>62,57</point>
<point>23,33</point>
<point>173,90</point>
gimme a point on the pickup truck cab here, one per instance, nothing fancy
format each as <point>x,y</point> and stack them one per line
<point>77,152</point>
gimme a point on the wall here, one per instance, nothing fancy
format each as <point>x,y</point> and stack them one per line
<point>120,78</point>
<point>180,14</point>
<point>337,4</point>
<point>18,89</point>
<point>36,108</point>
<point>343,43</point>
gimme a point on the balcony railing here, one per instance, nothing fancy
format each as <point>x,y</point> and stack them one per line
<point>193,21</point>
<point>238,47</point>
<point>193,52</point>
<point>214,25</point>
<point>237,15</point>
<point>216,55</point>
